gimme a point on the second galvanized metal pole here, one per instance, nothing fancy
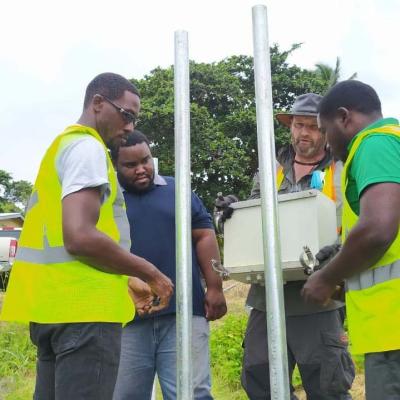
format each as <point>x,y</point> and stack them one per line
<point>183,219</point>
<point>279,377</point>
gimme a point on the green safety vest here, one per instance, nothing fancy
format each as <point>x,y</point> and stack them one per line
<point>49,285</point>
<point>372,296</point>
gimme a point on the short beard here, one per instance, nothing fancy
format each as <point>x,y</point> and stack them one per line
<point>310,152</point>
<point>131,188</point>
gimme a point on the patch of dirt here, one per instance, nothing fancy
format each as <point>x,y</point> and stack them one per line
<point>235,294</point>
<point>357,390</point>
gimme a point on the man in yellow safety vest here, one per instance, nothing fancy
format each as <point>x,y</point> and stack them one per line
<point>69,280</point>
<point>369,261</point>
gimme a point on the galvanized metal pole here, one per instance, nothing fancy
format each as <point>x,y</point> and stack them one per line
<point>279,377</point>
<point>183,219</point>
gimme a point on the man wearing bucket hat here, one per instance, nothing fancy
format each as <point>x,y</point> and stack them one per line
<point>315,337</point>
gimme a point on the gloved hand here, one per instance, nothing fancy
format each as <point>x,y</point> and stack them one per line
<point>222,206</point>
<point>222,210</point>
<point>326,254</point>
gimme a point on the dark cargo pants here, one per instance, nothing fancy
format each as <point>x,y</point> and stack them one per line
<point>76,361</point>
<point>316,343</point>
<point>382,375</point>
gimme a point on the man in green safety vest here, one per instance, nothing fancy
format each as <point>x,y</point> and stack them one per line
<point>70,277</point>
<point>369,261</point>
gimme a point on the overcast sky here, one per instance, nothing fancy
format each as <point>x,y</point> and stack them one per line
<point>51,49</point>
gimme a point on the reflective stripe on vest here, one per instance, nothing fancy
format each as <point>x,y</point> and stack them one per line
<point>371,277</point>
<point>121,219</point>
<point>47,255</point>
<point>328,187</point>
<point>373,296</point>
<point>49,285</point>
<point>33,200</point>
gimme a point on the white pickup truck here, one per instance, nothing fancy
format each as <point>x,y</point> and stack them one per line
<point>8,248</point>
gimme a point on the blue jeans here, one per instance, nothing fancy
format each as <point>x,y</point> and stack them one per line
<point>149,347</point>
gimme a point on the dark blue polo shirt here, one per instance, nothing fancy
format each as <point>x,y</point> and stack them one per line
<point>152,222</point>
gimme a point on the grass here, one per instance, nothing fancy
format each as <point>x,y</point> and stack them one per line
<point>17,356</point>
<point>17,362</point>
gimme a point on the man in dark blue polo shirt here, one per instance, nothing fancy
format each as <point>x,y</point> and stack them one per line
<point>149,342</point>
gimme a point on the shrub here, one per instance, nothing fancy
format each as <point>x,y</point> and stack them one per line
<point>227,352</point>
<point>226,349</point>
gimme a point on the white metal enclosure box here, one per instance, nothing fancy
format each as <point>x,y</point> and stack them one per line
<point>305,218</point>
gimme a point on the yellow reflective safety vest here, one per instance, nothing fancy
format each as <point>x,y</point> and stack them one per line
<point>328,187</point>
<point>49,285</point>
<point>373,296</point>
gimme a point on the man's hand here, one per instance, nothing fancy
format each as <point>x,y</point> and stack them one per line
<point>215,304</point>
<point>162,287</point>
<point>318,289</point>
<point>141,295</point>
<point>146,301</point>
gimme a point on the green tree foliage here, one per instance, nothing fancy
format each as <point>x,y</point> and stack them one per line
<point>223,117</point>
<point>14,195</point>
<point>331,75</point>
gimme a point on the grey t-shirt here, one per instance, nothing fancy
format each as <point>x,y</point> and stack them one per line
<point>83,164</point>
<point>294,303</point>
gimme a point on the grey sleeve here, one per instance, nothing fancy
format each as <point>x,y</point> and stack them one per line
<point>255,190</point>
<point>83,164</point>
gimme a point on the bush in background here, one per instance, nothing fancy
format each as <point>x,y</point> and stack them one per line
<point>226,349</point>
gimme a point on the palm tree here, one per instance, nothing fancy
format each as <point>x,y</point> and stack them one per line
<point>331,75</point>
